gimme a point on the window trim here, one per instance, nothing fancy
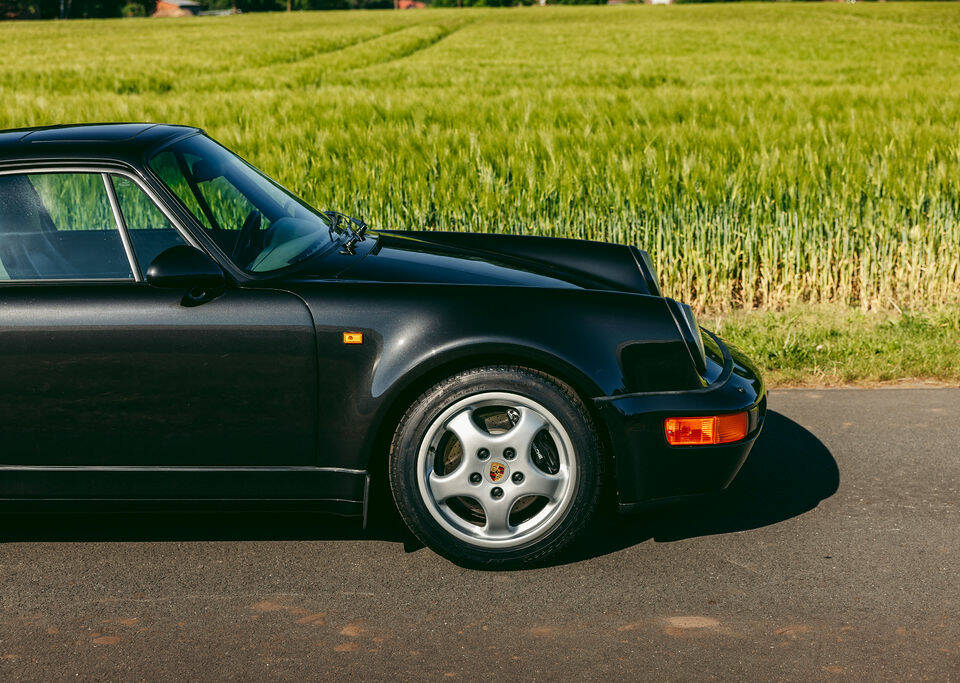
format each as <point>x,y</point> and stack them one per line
<point>122,227</point>
<point>120,224</point>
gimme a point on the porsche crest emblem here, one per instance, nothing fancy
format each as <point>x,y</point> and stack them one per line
<point>496,471</point>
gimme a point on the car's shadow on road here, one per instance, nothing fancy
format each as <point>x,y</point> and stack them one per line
<point>190,523</point>
<point>788,473</point>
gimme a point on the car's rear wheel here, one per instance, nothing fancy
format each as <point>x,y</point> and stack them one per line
<point>496,466</point>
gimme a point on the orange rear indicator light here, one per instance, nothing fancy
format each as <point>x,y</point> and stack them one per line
<point>353,337</point>
<point>706,431</point>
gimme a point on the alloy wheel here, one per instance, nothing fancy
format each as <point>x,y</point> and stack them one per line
<point>496,470</point>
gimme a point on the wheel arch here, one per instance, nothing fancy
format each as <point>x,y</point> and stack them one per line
<point>406,390</point>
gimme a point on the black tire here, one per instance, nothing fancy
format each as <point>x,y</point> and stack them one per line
<point>554,395</point>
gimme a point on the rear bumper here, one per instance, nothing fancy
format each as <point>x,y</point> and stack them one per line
<point>649,469</point>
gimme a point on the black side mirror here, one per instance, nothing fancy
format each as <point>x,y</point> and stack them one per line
<point>187,268</point>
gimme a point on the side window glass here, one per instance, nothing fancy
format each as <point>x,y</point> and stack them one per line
<point>149,230</point>
<point>56,226</point>
<point>173,174</point>
<point>217,204</point>
<point>230,208</point>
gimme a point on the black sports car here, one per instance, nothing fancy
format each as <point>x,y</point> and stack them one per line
<point>174,325</point>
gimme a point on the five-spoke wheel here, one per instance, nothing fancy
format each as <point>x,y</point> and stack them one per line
<point>496,468</point>
<point>496,465</point>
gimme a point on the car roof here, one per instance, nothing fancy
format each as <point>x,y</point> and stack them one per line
<point>125,142</point>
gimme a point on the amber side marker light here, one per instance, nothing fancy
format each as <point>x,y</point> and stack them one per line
<point>705,431</point>
<point>353,337</point>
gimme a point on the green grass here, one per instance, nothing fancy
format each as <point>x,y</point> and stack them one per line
<point>828,345</point>
<point>764,154</point>
<point>767,156</point>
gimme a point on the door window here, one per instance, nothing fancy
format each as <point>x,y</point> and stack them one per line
<point>258,224</point>
<point>219,206</point>
<point>150,231</point>
<point>56,226</point>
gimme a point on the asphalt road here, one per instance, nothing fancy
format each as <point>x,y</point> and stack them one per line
<point>836,555</point>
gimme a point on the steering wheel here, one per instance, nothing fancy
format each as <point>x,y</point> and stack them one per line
<point>249,241</point>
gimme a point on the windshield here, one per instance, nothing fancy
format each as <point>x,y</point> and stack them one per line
<point>257,223</point>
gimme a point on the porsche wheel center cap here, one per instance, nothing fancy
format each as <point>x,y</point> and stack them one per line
<point>497,471</point>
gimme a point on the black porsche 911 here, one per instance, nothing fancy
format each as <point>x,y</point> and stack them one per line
<point>174,325</point>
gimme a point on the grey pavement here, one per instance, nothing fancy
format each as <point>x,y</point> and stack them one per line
<point>836,554</point>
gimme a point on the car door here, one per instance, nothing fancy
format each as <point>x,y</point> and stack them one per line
<point>98,369</point>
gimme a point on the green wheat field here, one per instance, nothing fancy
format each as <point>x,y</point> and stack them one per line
<point>768,156</point>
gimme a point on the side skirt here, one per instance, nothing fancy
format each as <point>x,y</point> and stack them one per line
<point>344,487</point>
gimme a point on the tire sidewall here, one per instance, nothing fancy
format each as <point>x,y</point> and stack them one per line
<point>556,398</point>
